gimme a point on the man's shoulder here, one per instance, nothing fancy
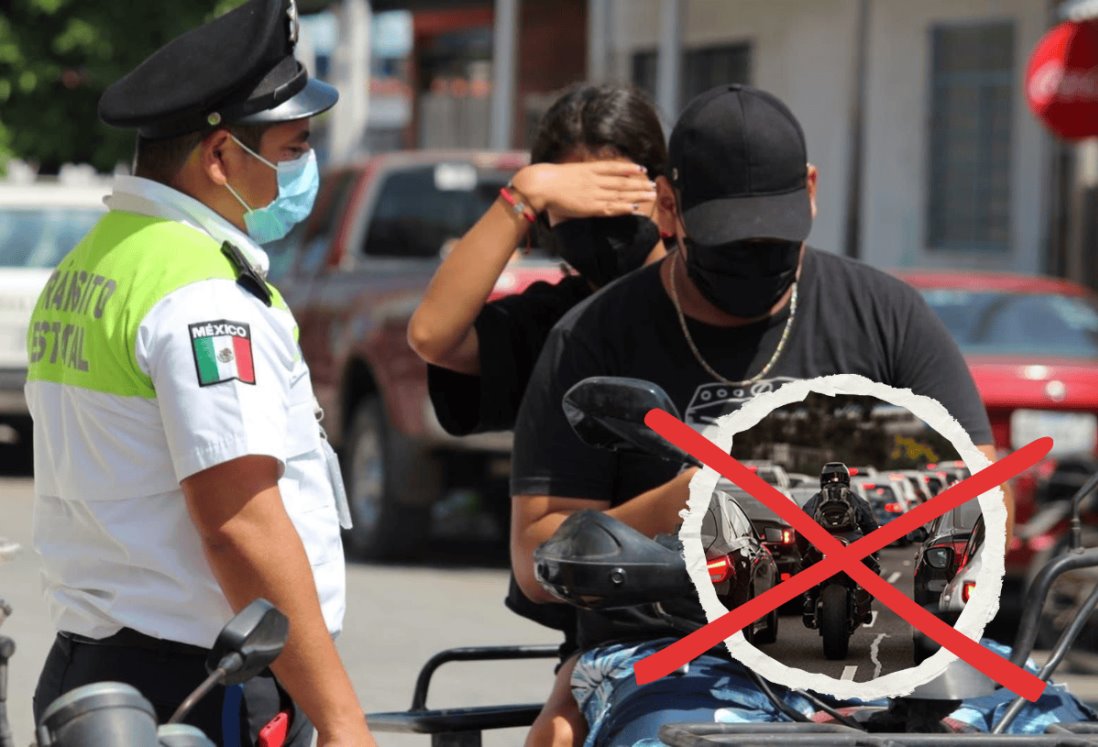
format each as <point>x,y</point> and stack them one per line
<point>831,264</point>
<point>835,272</point>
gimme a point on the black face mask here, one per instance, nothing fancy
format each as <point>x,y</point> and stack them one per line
<point>744,279</point>
<point>604,249</point>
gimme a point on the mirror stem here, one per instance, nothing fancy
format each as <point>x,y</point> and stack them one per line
<point>229,663</point>
<point>1076,506</point>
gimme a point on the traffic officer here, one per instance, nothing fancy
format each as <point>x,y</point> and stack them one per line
<point>180,471</point>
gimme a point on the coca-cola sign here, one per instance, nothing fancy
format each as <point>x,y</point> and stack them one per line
<point>1062,80</point>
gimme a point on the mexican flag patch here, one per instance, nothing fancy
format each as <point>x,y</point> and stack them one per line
<point>222,352</point>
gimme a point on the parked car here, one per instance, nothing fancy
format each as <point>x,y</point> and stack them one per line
<point>1032,346</point>
<point>39,223</point>
<point>353,273</point>
<point>771,472</point>
<point>939,554</point>
<point>959,590</point>
<point>774,532</point>
<point>884,497</point>
<point>800,480</point>
<point>741,565</point>
<point>919,483</point>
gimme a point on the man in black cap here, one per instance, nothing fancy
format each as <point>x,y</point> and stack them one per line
<point>180,471</point>
<point>742,307</point>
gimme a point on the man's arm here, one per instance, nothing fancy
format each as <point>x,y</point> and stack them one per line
<point>254,551</point>
<point>534,519</point>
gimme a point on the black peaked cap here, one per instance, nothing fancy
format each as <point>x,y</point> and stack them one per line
<point>237,69</point>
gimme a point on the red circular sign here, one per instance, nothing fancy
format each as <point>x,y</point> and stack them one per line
<point>1062,80</point>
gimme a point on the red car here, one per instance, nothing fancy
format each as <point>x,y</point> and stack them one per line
<point>353,273</point>
<point>1032,346</point>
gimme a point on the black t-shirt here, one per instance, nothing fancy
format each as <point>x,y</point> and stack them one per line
<point>850,318</point>
<point>510,334</point>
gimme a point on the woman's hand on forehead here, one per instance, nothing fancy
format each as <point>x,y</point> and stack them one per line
<point>587,189</point>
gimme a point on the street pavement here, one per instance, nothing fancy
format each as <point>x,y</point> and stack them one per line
<point>397,617</point>
<point>880,647</point>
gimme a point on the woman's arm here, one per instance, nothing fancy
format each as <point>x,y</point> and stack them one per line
<point>441,329</point>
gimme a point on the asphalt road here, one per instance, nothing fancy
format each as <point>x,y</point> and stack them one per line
<point>880,647</point>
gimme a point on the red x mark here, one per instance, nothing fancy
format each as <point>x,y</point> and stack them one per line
<point>840,558</point>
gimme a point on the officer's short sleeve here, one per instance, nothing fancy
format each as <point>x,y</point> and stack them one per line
<point>221,364</point>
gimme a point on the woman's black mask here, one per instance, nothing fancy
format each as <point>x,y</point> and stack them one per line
<point>604,249</point>
<point>743,278</point>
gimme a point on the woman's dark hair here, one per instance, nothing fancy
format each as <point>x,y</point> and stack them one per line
<point>620,118</point>
<point>617,118</point>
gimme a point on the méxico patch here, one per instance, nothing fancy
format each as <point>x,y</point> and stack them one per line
<point>222,352</point>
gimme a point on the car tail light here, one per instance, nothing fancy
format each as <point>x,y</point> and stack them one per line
<point>853,471</point>
<point>966,590</point>
<point>869,485</point>
<point>1042,542</point>
<point>720,569</point>
<point>932,466</point>
<point>894,508</point>
<point>786,576</point>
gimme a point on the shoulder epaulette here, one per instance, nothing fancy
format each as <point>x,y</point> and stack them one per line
<point>246,276</point>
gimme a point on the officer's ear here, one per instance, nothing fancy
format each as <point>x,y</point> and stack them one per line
<point>813,178</point>
<point>215,156</point>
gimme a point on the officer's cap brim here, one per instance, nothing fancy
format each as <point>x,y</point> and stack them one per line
<point>315,98</point>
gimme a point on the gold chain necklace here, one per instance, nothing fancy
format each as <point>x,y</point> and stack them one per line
<point>697,354</point>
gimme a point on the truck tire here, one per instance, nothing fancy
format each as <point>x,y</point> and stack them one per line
<point>834,616</point>
<point>382,468</point>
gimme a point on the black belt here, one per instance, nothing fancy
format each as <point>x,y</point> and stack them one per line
<point>130,638</point>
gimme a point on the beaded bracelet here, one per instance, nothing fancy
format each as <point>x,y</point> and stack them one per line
<point>518,206</point>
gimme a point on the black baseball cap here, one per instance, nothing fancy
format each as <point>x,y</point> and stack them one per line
<point>237,69</point>
<point>740,166</point>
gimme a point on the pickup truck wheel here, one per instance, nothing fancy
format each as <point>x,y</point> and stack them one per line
<point>380,467</point>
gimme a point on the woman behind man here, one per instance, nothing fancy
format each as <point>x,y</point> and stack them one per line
<point>596,194</point>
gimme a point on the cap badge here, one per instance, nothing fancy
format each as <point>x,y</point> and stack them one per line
<point>295,24</point>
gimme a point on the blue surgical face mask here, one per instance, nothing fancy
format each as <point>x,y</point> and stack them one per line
<point>298,182</point>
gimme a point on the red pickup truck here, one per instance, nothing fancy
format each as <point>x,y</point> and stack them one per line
<point>352,274</point>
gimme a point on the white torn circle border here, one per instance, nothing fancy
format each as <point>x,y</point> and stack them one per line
<point>977,612</point>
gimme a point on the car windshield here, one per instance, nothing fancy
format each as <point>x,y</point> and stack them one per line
<point>1030,324</point>
<point>40,237</point>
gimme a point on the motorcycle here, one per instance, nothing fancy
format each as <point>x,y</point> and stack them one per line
<point>106,714</point>
<point>840,605</point>
<point>595,562</point>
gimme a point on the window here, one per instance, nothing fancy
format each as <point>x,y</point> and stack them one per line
<point>420,208</point>
<point>703,68</point>
<point>970,133</point>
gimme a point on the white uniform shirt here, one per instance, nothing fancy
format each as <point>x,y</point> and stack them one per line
<point>110,520</point>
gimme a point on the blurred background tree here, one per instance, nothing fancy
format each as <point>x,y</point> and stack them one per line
<point>57,57</point>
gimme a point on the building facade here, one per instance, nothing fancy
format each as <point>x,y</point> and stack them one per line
<point>953,169</point>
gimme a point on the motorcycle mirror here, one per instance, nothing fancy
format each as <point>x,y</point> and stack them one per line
<point>939,557</point>
<point>596,562</point>
<point>247,645</point>
<point>772,534</point>
<point>249,642</point>
<point>607,412</point>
